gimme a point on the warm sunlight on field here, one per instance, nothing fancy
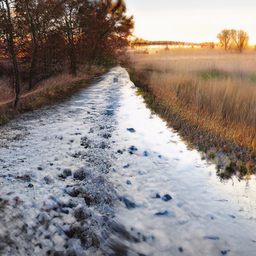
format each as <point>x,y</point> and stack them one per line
<point>212,90</point>
<point>198,60</point>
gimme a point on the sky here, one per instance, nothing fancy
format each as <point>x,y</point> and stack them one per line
<point>191,20</point>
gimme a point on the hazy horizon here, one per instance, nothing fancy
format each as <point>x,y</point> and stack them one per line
<point>197,21</point>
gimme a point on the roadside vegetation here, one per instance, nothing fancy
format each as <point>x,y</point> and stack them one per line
<point>209,96</point>
<point>48,46</point>
<point>48,92</point>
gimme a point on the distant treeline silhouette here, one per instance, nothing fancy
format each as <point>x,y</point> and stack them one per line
<point>141,42</point>
<point>228,39</point>
<point>42,38</point>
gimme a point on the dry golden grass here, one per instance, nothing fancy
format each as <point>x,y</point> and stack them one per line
<point>6,92</point>
<point>188,60</point>
<point>47,92</point>
<point>212,90</point>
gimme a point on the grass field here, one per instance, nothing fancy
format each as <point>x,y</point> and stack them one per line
<point>208,95</point>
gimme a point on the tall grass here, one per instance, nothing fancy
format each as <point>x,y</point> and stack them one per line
<point>47,92</point>
<point>209,94</point>
<point>6,92</point>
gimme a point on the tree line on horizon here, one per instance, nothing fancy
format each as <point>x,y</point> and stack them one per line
<point>228,39</point>
<point>42,38</point>
<point>139,41</point>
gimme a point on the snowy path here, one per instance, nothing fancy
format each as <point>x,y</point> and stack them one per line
<point>204,217</point>
<point>107,130</point>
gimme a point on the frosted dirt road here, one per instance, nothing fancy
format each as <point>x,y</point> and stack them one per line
<point>100,175</point>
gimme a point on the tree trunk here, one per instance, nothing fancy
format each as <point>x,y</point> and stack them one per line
<point>32,67</point>
<point>92,56</point>
<point>17,79</point>
<point>33,61</point>
<point>72,55</point>
<point>94,51</point>
<point>71,46</point>
<point>13,54</point>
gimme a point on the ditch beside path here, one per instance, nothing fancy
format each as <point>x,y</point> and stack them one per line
<point>100,175</point>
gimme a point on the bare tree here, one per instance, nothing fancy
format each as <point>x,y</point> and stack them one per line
<point>242,40</point>
<point>37,20</point>
<point>70,28</point>
<point>233,38</point>
<point>7,29</point>
<point>49,32</point>
<point>35,44</point>
<point>224,37</point>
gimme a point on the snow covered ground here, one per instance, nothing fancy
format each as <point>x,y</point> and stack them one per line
<point>101,175</point>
